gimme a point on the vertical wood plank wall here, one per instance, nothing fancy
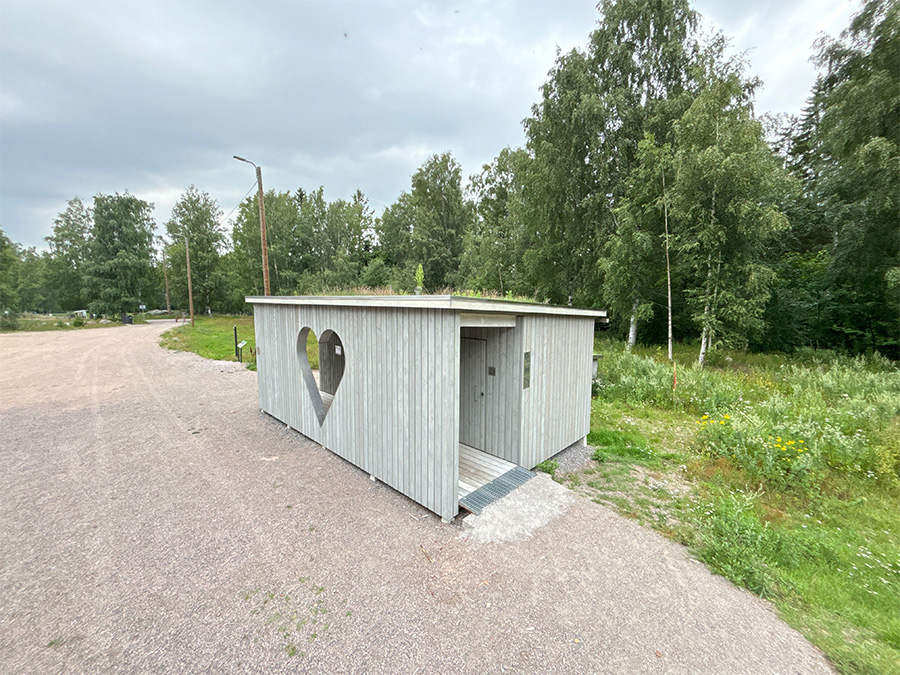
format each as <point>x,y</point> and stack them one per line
<point>331,365</point>
<point>472,390</point>
<point>396,410</point>
<point>556,408</point>
<point>503,390</point>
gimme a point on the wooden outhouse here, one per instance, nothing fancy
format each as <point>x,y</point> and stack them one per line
<point>433,395</point>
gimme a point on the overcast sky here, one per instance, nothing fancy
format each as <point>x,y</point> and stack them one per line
<point>153,96</point>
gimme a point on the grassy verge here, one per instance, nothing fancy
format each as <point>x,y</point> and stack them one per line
<point>781,474</point>
<point>212,337</point>
<point>39,323</point>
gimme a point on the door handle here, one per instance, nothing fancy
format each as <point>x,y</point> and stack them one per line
<point>482,393</point>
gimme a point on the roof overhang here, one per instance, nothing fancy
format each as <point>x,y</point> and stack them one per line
<point>465,305</point>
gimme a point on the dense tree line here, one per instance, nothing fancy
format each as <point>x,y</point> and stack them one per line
<point>646,185</point>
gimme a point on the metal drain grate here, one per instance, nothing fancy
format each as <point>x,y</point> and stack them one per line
<point>499,487</point>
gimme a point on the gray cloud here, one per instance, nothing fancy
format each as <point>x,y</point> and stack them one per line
<point>154,96</point>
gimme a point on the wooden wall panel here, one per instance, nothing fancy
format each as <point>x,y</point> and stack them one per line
<point>395,411</point>
<point>556,408</point>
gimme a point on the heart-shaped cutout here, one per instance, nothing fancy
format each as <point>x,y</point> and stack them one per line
<point>323,380</point>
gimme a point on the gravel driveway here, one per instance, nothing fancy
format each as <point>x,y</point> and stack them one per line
<point>153,520</point>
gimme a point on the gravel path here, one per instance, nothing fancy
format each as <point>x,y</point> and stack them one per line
<point>152,520</point>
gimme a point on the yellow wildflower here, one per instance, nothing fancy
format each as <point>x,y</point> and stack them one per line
<point>726,417</point>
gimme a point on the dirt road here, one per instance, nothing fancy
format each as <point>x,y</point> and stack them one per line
<point>153,520</point>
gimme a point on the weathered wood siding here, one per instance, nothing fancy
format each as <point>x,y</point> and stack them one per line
<point>472,385</point>
<point>556,408</point>
<point>331,364</point>
<point>396,410</point>
<point>502,390</point>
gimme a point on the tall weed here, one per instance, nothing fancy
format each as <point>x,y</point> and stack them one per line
<point>734,542</point>
<point>783,422</point>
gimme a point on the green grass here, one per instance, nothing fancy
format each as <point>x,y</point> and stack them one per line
<point>213,338</point>
<point>781,473</point>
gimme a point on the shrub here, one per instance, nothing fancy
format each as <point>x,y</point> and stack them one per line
<point>78,322</point>
<point>9,321</point>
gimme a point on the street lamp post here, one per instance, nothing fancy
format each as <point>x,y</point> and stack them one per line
<point>262,225</point>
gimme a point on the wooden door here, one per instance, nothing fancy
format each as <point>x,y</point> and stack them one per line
<point>472,380</point>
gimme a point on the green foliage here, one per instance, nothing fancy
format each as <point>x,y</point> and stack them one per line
<point>441,217</point>
<point>376,274</point>
<point>634,78</point>
<point>495,242</point>
<point>420,276</point>
<point>118,261</point>
<point>848,149</point>
<point>31,287</point>
<point>8,320</point>
<point>9,263</point>
<point>633,261</point>
<point>648,128</point>
<point>289,239</point>
<point>394,231</point>
<point>196,217</point>
<point>549,466</point>
<point>736,544</point>
<point>68,254</point>
<point>726,201</point>
<point>314,245</point>
<point>786,424</point>
<point>560,190</point>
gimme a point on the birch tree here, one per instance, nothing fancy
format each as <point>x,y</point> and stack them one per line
<point>636,262</point>
<point>727,181</point>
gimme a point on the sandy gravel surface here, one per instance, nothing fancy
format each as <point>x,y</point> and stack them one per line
<point>152,520</point>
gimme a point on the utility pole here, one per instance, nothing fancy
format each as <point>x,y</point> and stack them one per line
<point>262,231</point>
<point>166,277</point>
<point>262,224</point>
<point>187,252</point>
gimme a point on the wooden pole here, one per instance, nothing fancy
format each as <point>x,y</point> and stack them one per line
<point>262,231</point>
<point>187,252</point>
<point>166,277</point>
<point>668,268</point>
